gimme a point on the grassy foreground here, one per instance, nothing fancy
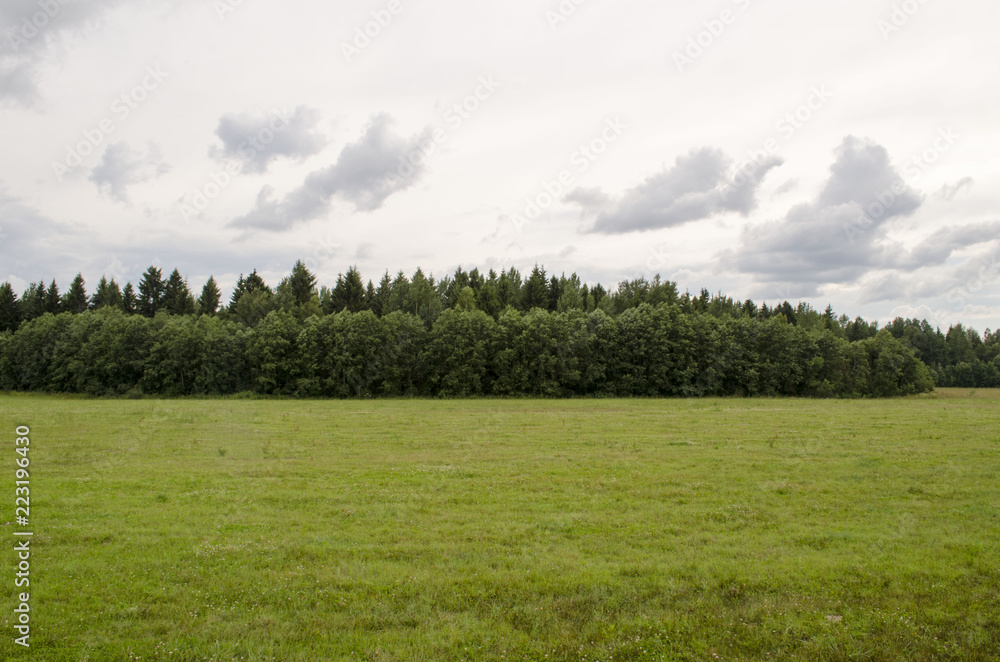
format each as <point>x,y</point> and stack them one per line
<point>508,530</point>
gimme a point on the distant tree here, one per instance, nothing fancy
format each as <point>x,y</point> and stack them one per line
<point>151,289</point>
<point>32,302</point>
<point>380,302</point>
<point>10,313</point>
<point>252,307</point>
<point>555,292</point>
<point>303,283</point>
<point>53,301</point>
<point>177,299</point>
<point>75,300</point>
<point>249,285</point>
<point>349,293</point>
<point>466,299</point>
<point>208,302</point>
<point>107,295</point>
<point>130,301</point>
<point>536,290</point>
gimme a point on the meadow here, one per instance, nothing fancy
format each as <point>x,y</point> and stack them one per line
<point>599,530</point>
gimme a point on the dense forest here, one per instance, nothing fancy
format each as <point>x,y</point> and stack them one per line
<point>469,334</point>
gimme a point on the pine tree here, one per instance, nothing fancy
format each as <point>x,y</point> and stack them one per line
<point>303,284</point>
<point>10,309</point>
<point>349,293</point>
<point>107,295</point>
<point>53,301</point>
<point>208,302</point>
<point>248,285</point>
<point>177,299</point>
<point>130,301</point>
<point>75,300</point>
<point>380,303</point>
<point>536,290</point>
<point>32,302</point>
<point>151,292</point>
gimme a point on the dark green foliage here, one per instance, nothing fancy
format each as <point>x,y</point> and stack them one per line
<point>535,293</point>
<point>349,294</point>
<point>466,335</point>
<point>107,295</point>
<point>75,300</point>
<point>151,289</point>
<point>33,301</point>
<point>10,312</point>
<point>303,284</point>
<point>130,300</point>
<point>208,302</point>
<point>249,285</point>
<point>177,299</point>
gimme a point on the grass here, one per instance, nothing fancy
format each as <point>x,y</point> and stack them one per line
<point>591,530</point>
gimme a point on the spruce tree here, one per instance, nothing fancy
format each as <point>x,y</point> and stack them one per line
<point>536,290</point>
<point>130,302</point>
<point>248,285</point>
<point>349,293</point>
<point>32,302</point>
<point>53,301</point>
<point>75,300</point>
<point>151,292</point>
<point>177,299</point>
<point>208,302</point>
<point>303,284</point>
<point>10,312</point>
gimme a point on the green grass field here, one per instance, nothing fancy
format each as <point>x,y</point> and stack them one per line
<point>508,530</point>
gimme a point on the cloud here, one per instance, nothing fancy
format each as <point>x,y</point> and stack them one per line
<point>29,30</point>
<point>949,191</point>
<point>841,235</point>
<point>31,242</point>
<point>121,167</point>
<point>366,174</point>
<point>697,187</point>
<point>940,246</point>
<point>256,140</point>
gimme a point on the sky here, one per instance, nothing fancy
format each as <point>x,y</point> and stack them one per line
<point>840,153</point>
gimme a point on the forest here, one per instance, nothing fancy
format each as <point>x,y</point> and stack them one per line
<point>468,334</point>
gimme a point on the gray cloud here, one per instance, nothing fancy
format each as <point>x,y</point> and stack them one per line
<point>697,187</point>
<point>29,241</point>
<point>366,174</point>
<point>940,246</point>
<point>256,140</point>
<point>29,29</point>
<point>841,235</point>
<point>121,167</point>
<point>949,191</point>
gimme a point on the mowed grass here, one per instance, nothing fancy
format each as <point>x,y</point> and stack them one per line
<point>509,530</point>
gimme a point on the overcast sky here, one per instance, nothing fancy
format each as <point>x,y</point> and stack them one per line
<point>833,152</point>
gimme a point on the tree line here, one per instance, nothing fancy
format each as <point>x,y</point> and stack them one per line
<point>468,334</point>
